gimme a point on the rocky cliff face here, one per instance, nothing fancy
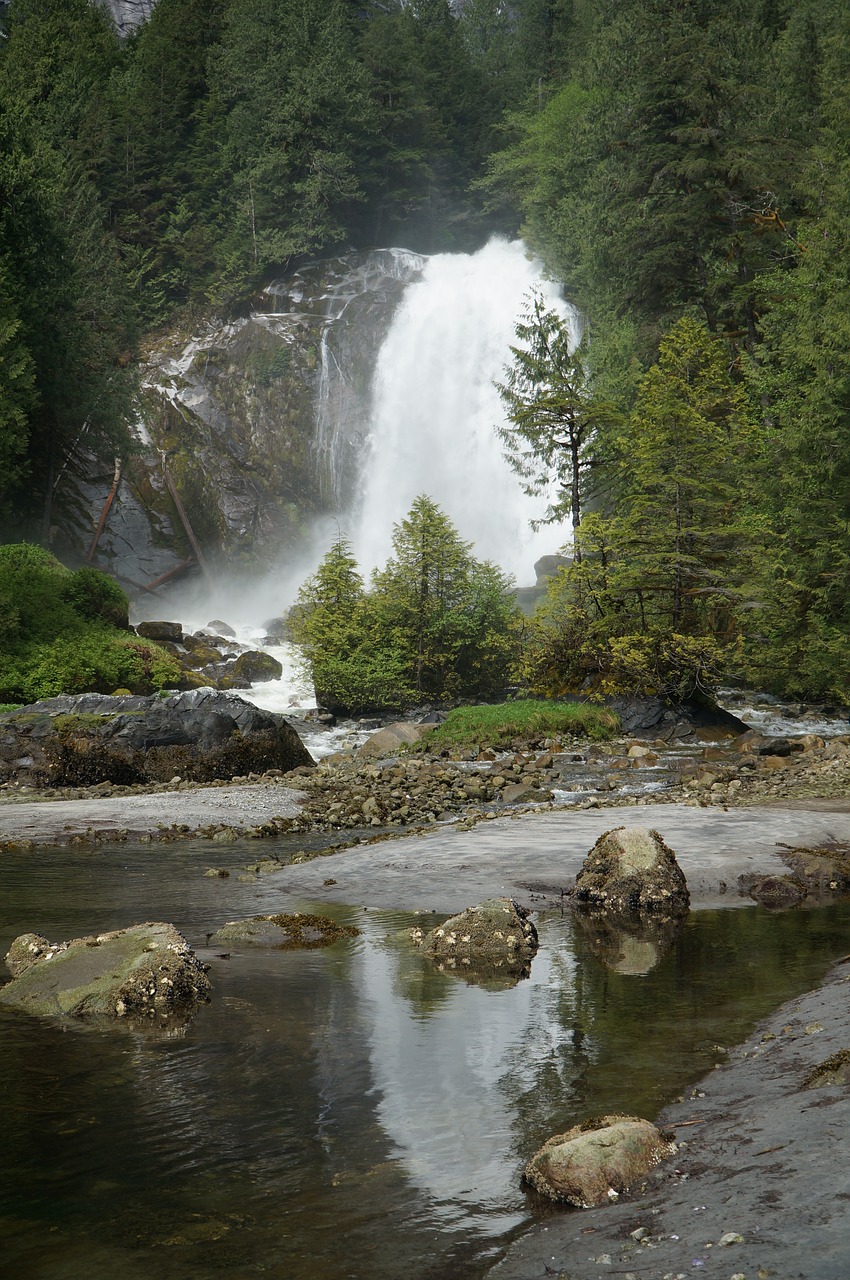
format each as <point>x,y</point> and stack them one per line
<point>129,14</point>
<point>253,429</point>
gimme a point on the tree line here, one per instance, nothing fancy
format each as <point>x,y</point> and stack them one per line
<point>682,165</point>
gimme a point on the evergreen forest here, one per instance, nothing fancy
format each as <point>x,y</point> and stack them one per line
<point>682,166</point>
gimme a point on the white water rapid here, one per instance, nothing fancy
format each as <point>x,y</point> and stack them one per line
<point>435,409</point>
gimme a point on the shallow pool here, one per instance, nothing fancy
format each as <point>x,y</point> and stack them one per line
<point>350,1112</point>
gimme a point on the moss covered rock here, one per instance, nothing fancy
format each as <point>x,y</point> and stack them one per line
<point>631,870</point>
<point>584,1165</point>
<point>145,971</point>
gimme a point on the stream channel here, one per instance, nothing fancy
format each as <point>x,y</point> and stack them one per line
<point>347,1112</point>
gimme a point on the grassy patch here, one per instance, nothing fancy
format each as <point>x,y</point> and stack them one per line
<point>499,725</point>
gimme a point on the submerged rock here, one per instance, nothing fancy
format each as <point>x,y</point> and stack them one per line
<point>584,1165</point>
<point>631,870</point>
<point>284,932</point>
<point>497,934</point>
<point>775,892</point>
<point>147,970</point>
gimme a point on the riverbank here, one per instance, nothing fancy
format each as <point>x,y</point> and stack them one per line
<point>757,1187</point>
<point>531,855</point>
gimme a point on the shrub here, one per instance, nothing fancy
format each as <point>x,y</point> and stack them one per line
<point>97,597</point>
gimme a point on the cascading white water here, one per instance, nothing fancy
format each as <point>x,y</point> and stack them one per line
<point>331,408</point>
<point>435,409</point>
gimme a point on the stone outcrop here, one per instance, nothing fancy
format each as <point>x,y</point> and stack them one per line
<point>147,971</point>
<point>262,418</point>
<point>494,935</point>
<point>90,738</point>
<point>650,716</point>
<point>287,932</point>
<point>630,870</point>
<point>585,1165</point>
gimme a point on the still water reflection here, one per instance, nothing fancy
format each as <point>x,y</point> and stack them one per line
<point>340,1113</point>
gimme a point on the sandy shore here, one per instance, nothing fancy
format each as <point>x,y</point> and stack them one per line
<point>137,816</point>
<point>533,856</point>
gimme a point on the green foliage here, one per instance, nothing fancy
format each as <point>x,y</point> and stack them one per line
<point>451,616</point>
<point>557,423</point>
<point>662,584</point>
<point>59,632</point>
<point>96,596</point>
<point>95,659</point>
<point>436,623</point>
<point>803,378</point>
<point>64,308</point>
<point>498,725</point>
<point>330,621</point>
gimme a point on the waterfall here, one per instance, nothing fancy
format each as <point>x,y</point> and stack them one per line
<point>435,409</point>
<point>333,405</point>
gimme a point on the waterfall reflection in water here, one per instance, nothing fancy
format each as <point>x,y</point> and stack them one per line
<point>349,1112</point>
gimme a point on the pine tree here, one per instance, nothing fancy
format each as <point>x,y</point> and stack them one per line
<point>557,423</point>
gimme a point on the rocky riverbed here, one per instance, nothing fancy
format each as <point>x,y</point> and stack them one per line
<point>355,795</point>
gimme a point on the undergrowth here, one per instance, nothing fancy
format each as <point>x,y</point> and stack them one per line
<point>498,725</point>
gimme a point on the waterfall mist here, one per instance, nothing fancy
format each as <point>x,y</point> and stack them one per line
<point>425,421</point>
<point>435,409</point>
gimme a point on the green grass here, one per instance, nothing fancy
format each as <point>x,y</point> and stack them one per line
<point>499,725</point>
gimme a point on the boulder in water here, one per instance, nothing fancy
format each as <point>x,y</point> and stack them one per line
<point>161,631</point>
<point>256,667</point>
<point>145,971</point>
<point>583,1166</point>
<point>496,933</point>
<point>630,870</point>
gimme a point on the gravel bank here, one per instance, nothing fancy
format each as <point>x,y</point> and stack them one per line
<point>136,817</point>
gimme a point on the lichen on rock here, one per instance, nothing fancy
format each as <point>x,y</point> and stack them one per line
<point>144,971</point>
<point>284,932</point>
<point>631,870</point>
<point>583,1166</point>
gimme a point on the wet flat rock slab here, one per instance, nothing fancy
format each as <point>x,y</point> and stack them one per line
<point>758,1186</point>
<point>147,970</point>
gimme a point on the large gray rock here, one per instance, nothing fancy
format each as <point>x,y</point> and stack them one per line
<point>390,740</point>
<point>201,735</point>
<point>147,971</point>
<point>582,1166</point>
<point>631,870</point>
